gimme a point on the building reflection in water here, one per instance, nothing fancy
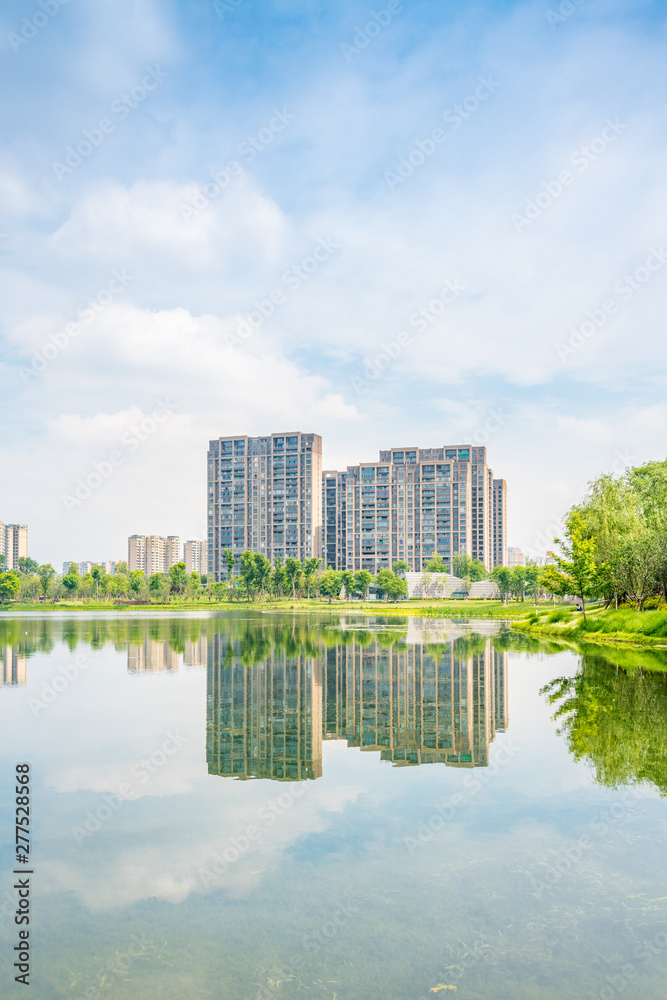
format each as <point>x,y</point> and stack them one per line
<point>13,665</point>
<point>159,654</point>
<point>264,721</point>
<point>414,704</point>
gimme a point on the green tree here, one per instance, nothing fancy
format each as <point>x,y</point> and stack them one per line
<point>159,585</point>
<point>502,577</point>
<point>436,565</point>
<point>638,565</point>
<point>72,580</point>
<point>230,560</point>
<point>97,573</point>
<point>137,580</point>
<point>194,586</point>
<point>46,574</point>
<point>178,578</point>
<point>347,579</point>
<point>278,580</point>
<point>330,584</point>
<point>122,569</point>
<point>309,569</point>
<point>554,582</point>
<point>400,567</point>
<point>518,581</point>
<point>292,574</point>
<point>467,568</point>
<point>262,574</point>
<point>391,585</point>
<point>362,581</point>
<point>27,565</point>
<point>219,591</point>
<point>247,571</point>
<point>533,581</point>
<point>10,584</point>
<point>579,563</point>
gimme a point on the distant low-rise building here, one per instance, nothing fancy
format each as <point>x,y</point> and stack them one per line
<point>515,557</point>
<point>109,566</point>
<point>153,553</point>
<point>195,556</point>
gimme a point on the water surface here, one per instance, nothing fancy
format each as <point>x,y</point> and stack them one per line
<point>247,805</point>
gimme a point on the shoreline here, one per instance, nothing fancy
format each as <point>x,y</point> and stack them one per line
<point>490,610</point>
<point>609,631</point>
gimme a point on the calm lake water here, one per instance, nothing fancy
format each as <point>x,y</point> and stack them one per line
<point>247,806</point>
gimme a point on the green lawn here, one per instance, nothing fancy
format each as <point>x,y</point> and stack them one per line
<point>623,626</point>
<point>436,608</point>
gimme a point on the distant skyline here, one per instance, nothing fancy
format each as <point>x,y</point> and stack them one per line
<point>388,223</point>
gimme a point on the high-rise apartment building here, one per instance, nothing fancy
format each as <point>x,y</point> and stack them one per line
<point>153,553</point>
<point>499,522</point>
<point>334,519</point>
<point>413,504</point>
<point>13,544</point>
<point>195,556</point>
<point>264,494</point>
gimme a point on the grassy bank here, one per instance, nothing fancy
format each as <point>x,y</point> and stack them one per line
<point>435,608</point>
<point>625,626</point>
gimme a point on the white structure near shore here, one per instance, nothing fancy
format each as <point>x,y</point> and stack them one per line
<point>443,585</point>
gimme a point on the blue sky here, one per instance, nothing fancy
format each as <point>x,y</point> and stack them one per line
<point>512,152</point>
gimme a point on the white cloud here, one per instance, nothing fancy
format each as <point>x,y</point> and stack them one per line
<point>590,430</point>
